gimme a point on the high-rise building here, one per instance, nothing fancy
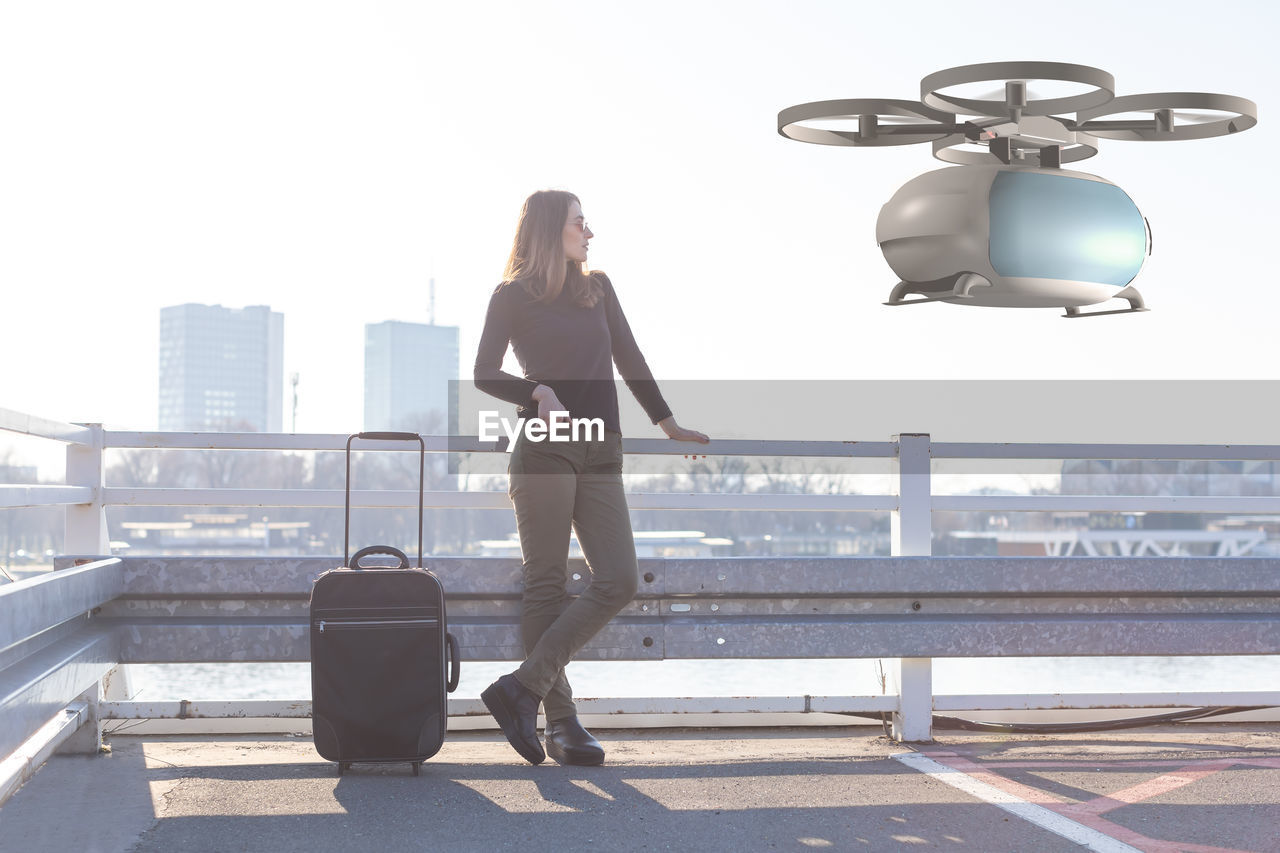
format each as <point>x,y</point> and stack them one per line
<point>221,369</point>
<point>410,377</point>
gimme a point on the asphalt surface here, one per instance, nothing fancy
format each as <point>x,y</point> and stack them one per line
<point>1195,788</point>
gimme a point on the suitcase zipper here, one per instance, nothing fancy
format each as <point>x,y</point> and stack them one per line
<point>373,623</point>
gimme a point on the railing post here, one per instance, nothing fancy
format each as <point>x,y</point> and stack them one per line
<point>86,524</point>
<point>912,531</point>
<point>87,739</point>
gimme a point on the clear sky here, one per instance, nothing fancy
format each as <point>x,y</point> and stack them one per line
<point>326,159</point>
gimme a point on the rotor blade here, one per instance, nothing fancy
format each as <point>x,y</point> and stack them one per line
<point>903,120</point>
<point>999,94</point>
<point>1194,117</point>
<point>1184,116</point>
<point>849,122</point>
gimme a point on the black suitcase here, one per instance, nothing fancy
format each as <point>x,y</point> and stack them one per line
<point>380,650</point>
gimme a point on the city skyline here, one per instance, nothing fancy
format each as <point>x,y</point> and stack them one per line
<point>221,370</point>
<point>333,185</point>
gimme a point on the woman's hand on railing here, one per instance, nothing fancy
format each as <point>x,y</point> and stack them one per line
<point>678,433</point>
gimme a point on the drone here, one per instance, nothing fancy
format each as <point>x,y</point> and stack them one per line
<point>1010,228</point>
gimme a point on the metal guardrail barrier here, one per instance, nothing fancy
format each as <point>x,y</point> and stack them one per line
<point>188,610</point>
<point>53,655</point>
<point>72,627</point>
<point>911,607</point>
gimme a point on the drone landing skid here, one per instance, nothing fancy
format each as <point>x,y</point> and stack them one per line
<point>952,287</point>
<point>919,301</point>
<point>1130,293</point>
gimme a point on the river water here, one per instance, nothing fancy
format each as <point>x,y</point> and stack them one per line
<point>681,678</point>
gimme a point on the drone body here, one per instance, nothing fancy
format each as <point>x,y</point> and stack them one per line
<point>1008,227</point>
<point>1012,237</point>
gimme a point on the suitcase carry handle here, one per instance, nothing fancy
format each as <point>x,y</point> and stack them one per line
<point>422,470</point>
<point>455,662</point>
<point>379,549</point>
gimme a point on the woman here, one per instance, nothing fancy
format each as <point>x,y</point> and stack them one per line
<point>567,330</point>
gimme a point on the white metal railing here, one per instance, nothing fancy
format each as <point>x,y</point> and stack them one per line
<point>86,526</point>
<point>37,427</point>
<point>86,494</point>
<point>910,500</point>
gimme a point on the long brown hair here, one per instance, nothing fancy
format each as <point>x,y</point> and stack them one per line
<point>537,253</point>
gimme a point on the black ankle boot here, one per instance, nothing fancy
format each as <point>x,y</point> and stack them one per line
<point>515,708</point>
<point>569,743</point>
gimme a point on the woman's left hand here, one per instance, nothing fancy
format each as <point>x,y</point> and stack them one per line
<point>678,433</point>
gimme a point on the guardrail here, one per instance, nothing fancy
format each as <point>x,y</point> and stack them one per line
<point>1040,606</point>
<point>73,627</point>
<point>54,657</point>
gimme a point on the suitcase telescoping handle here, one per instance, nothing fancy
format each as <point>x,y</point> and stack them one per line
<point>422,469</point>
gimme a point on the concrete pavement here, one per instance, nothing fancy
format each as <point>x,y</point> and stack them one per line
<point>1202,788</point>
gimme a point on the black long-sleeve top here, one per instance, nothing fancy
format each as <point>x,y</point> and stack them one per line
<point>567,347</point>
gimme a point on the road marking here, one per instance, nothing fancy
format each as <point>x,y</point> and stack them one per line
<point>1042,817</point>
<point>1082,812</point>
<point>1150,788</point>
<point>1088,763</point>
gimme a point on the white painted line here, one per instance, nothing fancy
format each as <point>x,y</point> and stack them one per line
<point>1090,839</point>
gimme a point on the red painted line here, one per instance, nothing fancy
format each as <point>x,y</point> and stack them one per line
<point>1072,811</point>
<point>979,772</point>
<point>1095,763</point>
<point>1261,762</point>
<point>1150,788</point>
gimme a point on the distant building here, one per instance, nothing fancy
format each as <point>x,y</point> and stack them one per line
<point>1170,477</point>
<point>410,377</point>
<point>221,369</point>
<point>19,474</point>
<point>1135,533</point>
<point>218,533</point>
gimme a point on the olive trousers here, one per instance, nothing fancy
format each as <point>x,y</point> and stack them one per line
<point>555,486</point>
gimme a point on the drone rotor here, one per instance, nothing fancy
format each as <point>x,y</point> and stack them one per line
<point>1100,88</point>
<point>1172,116</point>
<point>1018,123</point>
<point>871,121</point>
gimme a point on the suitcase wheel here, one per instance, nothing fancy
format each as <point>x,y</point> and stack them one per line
<point>343,766</point>
<point>416,767</point>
